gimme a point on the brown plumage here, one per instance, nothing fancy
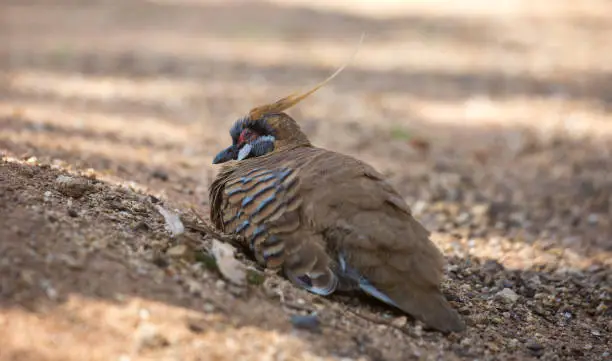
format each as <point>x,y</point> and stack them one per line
<point>329,221</point>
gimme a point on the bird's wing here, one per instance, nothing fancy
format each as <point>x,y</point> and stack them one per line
<point>375,239</point>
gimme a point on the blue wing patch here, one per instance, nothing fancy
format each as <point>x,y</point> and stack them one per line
<point>364,284</point>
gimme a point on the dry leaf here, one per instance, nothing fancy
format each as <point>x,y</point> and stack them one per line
<point>229,266</point>
<point>173,221</point>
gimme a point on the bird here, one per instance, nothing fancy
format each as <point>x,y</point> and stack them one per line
<point>328,221</point>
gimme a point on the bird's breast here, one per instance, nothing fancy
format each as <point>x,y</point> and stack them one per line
<point>256,204</point>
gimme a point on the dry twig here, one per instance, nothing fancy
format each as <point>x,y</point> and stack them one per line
<point>206,228</point>
<point>298,306</point>
<point>377,320</point>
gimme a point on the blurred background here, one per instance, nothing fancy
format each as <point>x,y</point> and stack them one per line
<point>492,118</point>
<point>458,102</point>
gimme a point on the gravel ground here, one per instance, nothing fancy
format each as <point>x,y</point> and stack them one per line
<point>492,120</point>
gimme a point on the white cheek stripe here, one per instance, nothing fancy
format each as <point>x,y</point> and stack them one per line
<point>244,151</point>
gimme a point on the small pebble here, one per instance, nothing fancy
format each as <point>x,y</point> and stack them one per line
<point>492,346</point>
<point>534,346</point>
<point>179,251</point>
<point>32,160</point>
<point>480,210</point>
<point>462,218</point>
<point>497,320</point>
<point>535,280</point>
<point>73,213</point>
<point>141,226</point>
<point>208,307</point>
<point>452,268</point>
<point>160,261</point>
<point>492,266</point>
<point>220,284</point>
<point>507,295</point>
<point>308,322</point>
<point>418,329</point>
<point>593,218</point>
<point>72,187</point>
<point>507,283</point>
<point>148,337</point>
<point>144,314</point>
<point>90,173</point>
<point>160,174</point>
<point>196,325</point>
<point>601,308</point>
<point>49,290</point>
<point>400,321</point>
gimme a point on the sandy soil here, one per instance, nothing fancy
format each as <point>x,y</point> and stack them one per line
<point>492,120</point>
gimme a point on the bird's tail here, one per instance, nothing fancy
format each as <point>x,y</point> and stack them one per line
<point>429,306</point>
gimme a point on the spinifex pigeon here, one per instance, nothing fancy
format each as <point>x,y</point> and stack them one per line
<point>329,221</point>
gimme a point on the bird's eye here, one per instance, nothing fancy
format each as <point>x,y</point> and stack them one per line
<point>246,136</point>
<point>243,136</point>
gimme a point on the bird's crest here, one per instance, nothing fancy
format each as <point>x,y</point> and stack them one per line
<point>291,100</point>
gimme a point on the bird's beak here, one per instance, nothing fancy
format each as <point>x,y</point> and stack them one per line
<point>226,154</point>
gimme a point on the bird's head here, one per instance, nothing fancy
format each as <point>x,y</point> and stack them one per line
<point>257,136</point>
<point>267,128</point>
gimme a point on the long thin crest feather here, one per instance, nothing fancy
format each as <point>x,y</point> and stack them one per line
<point>291,100</point>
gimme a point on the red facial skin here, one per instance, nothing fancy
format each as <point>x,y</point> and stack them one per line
<point>247,136</point>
